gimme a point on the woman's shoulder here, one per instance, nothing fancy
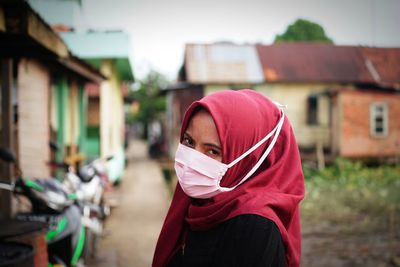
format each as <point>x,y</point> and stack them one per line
<point>250,220</point>
<point>245,228</point>
<point>244,240</point>
<point>253,239</point>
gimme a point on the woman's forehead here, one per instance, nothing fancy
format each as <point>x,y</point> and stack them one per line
<point>201,124</point>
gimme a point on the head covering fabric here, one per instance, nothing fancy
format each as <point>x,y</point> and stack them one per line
<point>274,191</point>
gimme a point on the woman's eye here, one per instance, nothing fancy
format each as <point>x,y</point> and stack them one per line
<point>187,141</point>
<point>214,152</point>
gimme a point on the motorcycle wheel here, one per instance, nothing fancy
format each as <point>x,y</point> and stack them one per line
<point>90,249</point>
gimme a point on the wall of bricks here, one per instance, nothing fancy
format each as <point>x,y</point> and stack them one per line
<point>355,139</point>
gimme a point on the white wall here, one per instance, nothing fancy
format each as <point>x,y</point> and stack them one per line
<point>33,85</point>
<point>295,97</point>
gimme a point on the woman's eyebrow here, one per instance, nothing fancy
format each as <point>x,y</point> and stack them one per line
<point>188,135</point>
<point>213,145</point>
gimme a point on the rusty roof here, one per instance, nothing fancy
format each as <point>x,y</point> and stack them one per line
<point>222,63</point>
<point>291,62</point>
<point>384,64</point>
<point>313,62</point>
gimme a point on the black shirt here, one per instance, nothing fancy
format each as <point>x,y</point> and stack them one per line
<point>245,240</point>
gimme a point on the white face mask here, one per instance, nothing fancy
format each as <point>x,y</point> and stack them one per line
<point>200,175</point>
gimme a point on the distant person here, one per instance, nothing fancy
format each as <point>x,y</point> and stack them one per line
<point>240,185</point>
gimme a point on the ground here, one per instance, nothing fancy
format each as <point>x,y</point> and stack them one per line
<point>332,245</point>
<point>143,198</point>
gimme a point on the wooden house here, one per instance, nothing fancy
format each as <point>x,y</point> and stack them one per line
<point>109,52</point>
<point>42,93</point>
<point>315,81</point>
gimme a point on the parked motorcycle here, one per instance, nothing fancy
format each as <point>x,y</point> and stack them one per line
<point>52,205</point>
<point>88,186</point>
<point>89,182</point>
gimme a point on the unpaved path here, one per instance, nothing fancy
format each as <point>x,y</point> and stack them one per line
<point>143,197</point>
<point>133,227</point>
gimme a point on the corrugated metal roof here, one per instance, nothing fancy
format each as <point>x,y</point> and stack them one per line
<point>384,64</point>
<point>291,62</point>
<point>305,62</point>
<point>222,63</point>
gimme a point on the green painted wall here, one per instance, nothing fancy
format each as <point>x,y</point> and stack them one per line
<point>61,95</point>
<point>61,110</point>
<point>82,119</point>
<point>92,145</point>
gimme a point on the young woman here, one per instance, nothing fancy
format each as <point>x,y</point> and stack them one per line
<point>240,185</point>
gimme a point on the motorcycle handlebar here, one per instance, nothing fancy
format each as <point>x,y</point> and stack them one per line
<point>7,155</point>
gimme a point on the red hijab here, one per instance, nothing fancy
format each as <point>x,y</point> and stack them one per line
<point>243,118</point>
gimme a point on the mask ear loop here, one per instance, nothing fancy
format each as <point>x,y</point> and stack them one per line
<point>276,130</point>
<point>262,141</point>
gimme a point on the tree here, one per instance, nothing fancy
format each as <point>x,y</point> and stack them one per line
<point>303,31</point>
<point>151,103</point>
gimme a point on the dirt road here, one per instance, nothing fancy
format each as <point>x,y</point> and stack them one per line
<point>133,227</point>
<point>143,197</point>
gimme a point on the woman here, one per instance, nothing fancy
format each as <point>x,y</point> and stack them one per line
<point>240,184</point>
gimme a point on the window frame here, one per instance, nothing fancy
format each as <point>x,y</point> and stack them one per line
<point>373,115</point>
<point>312,110</point>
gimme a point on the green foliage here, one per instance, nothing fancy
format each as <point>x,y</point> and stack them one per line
<point>303,31</point>
<point>151,103</point>
<point>351,192</point>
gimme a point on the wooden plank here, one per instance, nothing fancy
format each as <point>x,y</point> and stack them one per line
<point>44,35</point>
<point>7,129</point>
<point>2,20</point>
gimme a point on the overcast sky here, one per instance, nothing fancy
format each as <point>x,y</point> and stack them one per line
<point>159,29</point>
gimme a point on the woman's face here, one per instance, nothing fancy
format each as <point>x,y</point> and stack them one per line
<point>201,135</point>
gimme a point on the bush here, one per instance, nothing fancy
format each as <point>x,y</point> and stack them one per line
<point>351,192</point>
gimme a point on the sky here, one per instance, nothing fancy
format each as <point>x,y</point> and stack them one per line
<point>159,29</point>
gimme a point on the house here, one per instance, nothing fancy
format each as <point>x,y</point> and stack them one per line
<point>42,100</point>
<point>322,85</point>
<point>377,133</point>
<point>42,86</point>
<point>109,52</point>
<point>208,68</point>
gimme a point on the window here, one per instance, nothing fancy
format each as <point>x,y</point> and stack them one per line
<point>318,109</point>
<point>312,108</point>
<point>379,125</point>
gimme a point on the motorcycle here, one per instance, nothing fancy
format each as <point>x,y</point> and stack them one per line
<point>52,205</point>
<point>87,186</point>
<point>88,183</point>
